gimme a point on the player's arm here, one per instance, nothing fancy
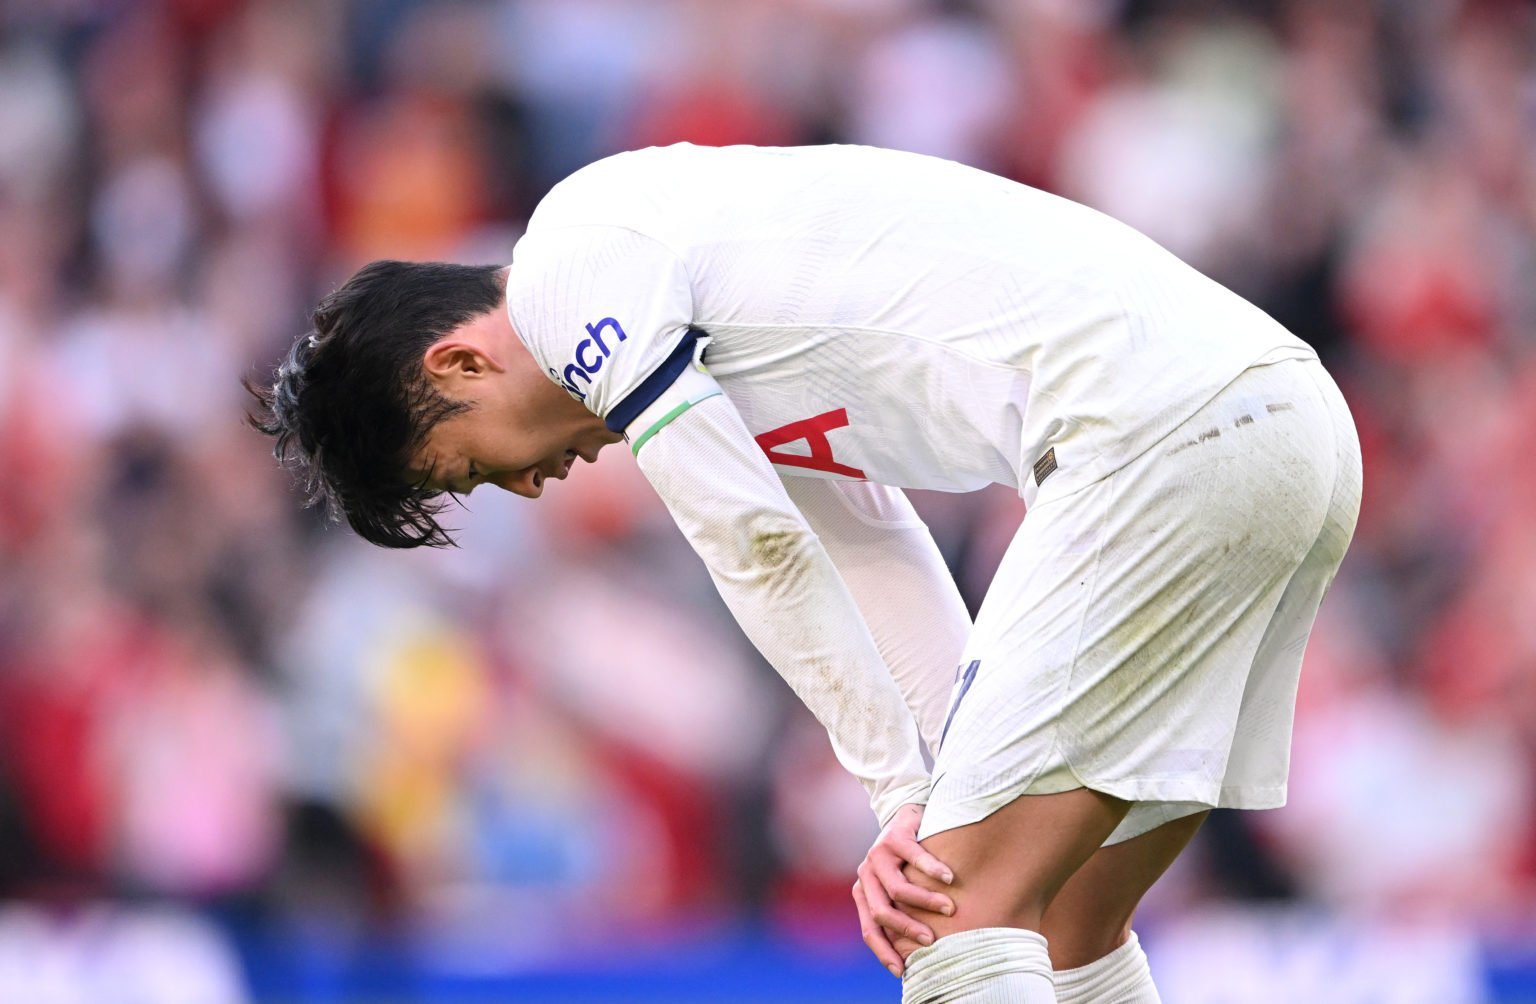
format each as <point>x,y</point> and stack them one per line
<point>780,583</point>
<point>890,563</point>
<point>608,313</point>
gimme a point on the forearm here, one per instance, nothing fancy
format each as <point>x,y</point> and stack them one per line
<point>784,590</point>
<point>897,576</point>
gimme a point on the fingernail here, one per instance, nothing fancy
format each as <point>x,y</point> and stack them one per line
<point>948,911</point>
<point>949,878</point>
<point>925,940</point>
<point>894,971</point>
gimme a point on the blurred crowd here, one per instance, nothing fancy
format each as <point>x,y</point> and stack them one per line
<point>209,696</point>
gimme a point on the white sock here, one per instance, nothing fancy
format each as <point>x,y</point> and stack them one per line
<point>1121,977</point>
<point>993,965</point>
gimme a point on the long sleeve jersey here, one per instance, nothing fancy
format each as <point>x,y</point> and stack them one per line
<point>788,337</point>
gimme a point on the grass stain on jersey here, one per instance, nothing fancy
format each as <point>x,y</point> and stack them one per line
<point>777,551</point>
<point>774,548</point>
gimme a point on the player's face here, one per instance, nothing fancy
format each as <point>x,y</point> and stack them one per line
<point>521,429</point>
<point>497,442</point>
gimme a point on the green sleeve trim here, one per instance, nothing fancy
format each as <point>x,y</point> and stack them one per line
<point>663,420</point>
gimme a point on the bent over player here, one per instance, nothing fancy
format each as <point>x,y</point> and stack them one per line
<point>786,338</point>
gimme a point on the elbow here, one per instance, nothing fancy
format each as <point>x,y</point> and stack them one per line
<point>778,548</point>
<point>775,540</point>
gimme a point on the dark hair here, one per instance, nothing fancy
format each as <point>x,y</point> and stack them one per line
<point>351,403</point>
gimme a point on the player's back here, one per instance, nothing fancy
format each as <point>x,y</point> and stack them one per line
<point>967,322</point>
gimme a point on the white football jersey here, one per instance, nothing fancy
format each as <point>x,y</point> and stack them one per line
<point>869,318</point>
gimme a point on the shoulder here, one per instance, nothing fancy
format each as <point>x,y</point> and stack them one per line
<point>616,189</point>
<point>597,305</point>
<point>580,258</point>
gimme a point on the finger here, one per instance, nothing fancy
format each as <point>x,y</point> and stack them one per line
<point>890,917</point>
<point>898,925</point>
<point>903,893</point>
<point>898,889</point>
<point>914,853</point>
<point>883,912</point>
<point>874,937</point>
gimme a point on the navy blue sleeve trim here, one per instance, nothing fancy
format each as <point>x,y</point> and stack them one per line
<point>642,397</point>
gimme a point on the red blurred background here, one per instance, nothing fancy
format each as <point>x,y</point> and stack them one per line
<point>241,730</point>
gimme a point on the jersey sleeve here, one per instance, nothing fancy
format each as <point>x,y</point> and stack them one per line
<point>780,583</point>
<point>607,312</point>
<point>889,560</point>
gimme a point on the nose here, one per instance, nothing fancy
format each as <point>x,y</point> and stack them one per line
<point>528,482</point>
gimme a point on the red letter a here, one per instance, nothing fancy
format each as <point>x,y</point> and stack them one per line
<point>814,432</point>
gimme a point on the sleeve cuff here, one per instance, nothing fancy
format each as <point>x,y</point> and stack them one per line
<point>689,349</point>
<point>690,387</point>
<point>915,793</point>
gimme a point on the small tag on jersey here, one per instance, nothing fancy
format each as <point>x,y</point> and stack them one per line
<point>1045,466</point>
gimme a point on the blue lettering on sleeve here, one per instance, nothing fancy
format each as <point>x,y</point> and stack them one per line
<point>596,331</point>
<point>594,365</point>
<point>581,365</point>
<point>570,373</point>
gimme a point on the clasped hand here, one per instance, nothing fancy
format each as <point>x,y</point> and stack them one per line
<point>882,890</point>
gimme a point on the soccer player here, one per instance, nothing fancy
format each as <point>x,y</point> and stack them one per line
<point>786,338</point>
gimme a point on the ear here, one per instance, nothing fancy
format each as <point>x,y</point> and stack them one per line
<point>451,360</point>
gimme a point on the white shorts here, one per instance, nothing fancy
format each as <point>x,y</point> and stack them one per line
<point>1143,635</point>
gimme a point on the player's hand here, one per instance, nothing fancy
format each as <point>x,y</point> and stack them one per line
<point>882,890</point>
